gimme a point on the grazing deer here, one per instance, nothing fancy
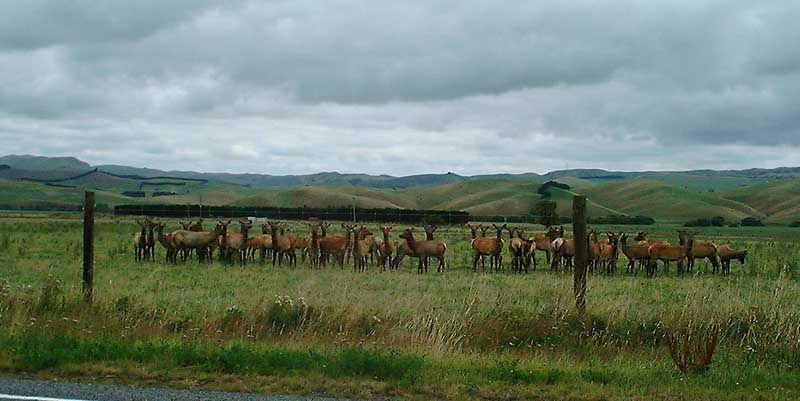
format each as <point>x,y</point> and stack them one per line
<point>361,250</point>
<point>385,249</point>
<point>668,253</point>
<point>425,249</point>
<point>635,253</point>
<point>491,247</point>
<point>281,245</point>
<point>726,254</point>
<point>199,240</point>
<point>700,250</point>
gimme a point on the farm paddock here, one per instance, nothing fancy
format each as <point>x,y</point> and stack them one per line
<point>452,335</point>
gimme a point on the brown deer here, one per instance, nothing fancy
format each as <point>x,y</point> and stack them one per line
<point>335,245</point>
<point>668,253</point>
<point>473,229</point>
<point>198,240</point>
<point>281,245</point>
<point>726,254</point>
<point>609,252</point>
<point>425,249</point>
<point>385,249</point>
<point>491,247</point>
<point>166,242</point>
<point>639,252</point>
<point>563,251</point>
<point>700,250</point>
<point>260,243</point>
<point>312,245</point>
<point>237,243</point>
<point>595,249</point>
<point>140,241</point>
<point>542,243</point>
<point>516,248</point>
<point>361,250</point>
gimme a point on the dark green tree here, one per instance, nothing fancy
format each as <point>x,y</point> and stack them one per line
<point>545,213</point>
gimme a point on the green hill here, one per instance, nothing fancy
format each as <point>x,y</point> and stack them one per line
<point>779,200</point>
<point>666,202</point>
<point>41,163</point>
<point>16,194</point>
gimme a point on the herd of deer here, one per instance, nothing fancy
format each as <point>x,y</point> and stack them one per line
<point>360,244</point>
<point>319,247</point>
<point>602,254</point>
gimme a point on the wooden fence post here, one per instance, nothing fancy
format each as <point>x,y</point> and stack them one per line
<point>88,245</point>
<point>581,251</point>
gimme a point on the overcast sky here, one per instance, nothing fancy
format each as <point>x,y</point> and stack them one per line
<point>402,87</point>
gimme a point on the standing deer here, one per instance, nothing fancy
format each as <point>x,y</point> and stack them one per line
<point>140,241</point>
<point>313,246</point>
<point>668,253</point>
<point>638,252</point>
<point>361,250</point>
<point>166,242</point>
<point>563,251</point>
<point>542,243</point>
<point>237,243</point>
<point>726,254</point>
<point>700,250</point>
<point>516,248</point>
<point>425,249</point>
<point>491,247</point>
<point>609,253</point>
<point>335,245</point>
<point>281,245</point>
<point>385,249</point>
<point>199,240</point>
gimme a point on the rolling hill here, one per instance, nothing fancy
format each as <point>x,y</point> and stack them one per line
<point>16,194</point>
<point>666,202</point>
<point>779,200</point>
<point>674,196</point>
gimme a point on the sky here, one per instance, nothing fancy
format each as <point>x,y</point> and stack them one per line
<point>388,87</point>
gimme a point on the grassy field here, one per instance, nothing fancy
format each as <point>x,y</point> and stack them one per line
<point>456,335</point>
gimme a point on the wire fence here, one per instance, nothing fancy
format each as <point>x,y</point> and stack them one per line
<point>409,216</point>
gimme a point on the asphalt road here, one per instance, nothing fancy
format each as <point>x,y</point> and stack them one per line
<point>34,390</point>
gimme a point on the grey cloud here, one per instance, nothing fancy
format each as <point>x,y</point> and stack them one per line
<point>469,86</point>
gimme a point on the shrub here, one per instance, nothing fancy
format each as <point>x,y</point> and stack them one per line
<point>620,219</point>
<point>795,224</point>
<point>693,351</point>
<point>716,221</point>
<point>52,296</point>
<point>286,313</point>
<point>751,222</point>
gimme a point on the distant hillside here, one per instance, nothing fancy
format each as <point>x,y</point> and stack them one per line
<point>41,163</point>
<point>779,200</point>
<point>479,197</point>
<point>666,202</point>
<point>15,194</point>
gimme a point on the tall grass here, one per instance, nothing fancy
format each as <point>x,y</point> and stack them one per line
<point>368,324</point>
